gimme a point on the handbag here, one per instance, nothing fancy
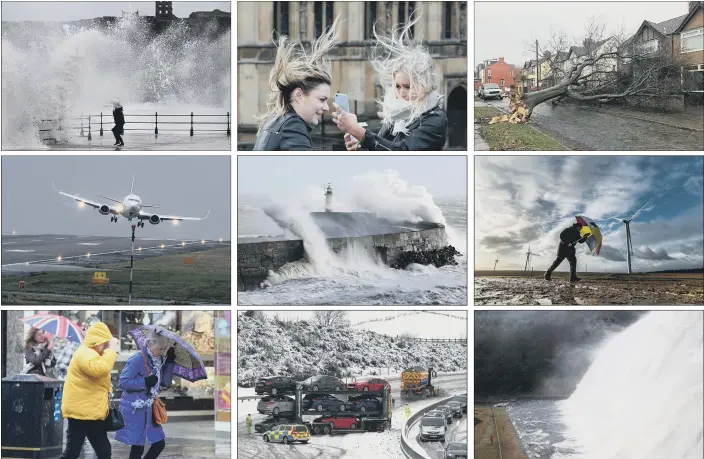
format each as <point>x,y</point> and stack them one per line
<point>159,415</point>
<point>114,421</point>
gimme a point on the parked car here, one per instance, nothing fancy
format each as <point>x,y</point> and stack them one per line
<point>433,427</point>
<point>322,402</point>
<point>456,451</point>
<point>363,404</point>
<point>275,404</point>
<point>275,385</point>
<point>489,91</point>
<point>448,413</point>
<point>288,433</point>
<point>368,384</point>
<point>325,424</point>
<point>456,408</point>
<point>323,383</point>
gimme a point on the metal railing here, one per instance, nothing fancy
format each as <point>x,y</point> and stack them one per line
<point>95,123</point>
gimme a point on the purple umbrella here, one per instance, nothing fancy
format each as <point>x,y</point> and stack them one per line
<point>188,364</point>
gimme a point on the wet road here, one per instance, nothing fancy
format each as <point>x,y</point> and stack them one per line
<point>583,128</point>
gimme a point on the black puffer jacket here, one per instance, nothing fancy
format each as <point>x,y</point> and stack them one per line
<point>119,117</point>
<point>285,133</point>
<point>427,133</point>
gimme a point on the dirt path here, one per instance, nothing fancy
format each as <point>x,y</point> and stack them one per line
<point>484,429</point>
<point>592,290</point>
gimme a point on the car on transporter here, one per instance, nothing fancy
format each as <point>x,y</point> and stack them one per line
<point>326,424</point>
<point>275,404</point>
<point>368,384</point>
<point>275,385</point>
<point>322,402</point>
<point>323,383</point>
<point>364,404</point>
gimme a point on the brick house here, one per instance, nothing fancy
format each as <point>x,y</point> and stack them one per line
<point>689,42</point>
<point>501,73</point>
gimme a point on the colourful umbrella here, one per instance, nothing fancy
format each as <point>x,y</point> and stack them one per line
<point>60,326</point>
<point>188,364</point>
<point>592,229</point>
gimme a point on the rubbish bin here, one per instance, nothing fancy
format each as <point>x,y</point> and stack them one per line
<point>32,425</point>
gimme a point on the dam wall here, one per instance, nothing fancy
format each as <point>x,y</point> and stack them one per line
<point>256,258</point>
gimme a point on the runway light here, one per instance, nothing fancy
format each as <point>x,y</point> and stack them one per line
<point>59,258</point>
<point>26,263</point>
<point>140,249</point>
<point>162,246</point>
<point>183,243</point>
<point>220,239</point>
<point>202,241</point>
<point>88,255</point>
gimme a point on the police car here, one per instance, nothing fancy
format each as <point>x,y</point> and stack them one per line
<point>288,433</point>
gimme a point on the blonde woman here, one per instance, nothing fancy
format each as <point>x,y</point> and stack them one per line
<point>411,107</point>
<point>38,353</point>
<point>300,90</point>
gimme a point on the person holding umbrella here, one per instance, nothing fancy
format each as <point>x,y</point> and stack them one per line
<point>569,237</point>
<point>86,394</point>
<point>38,353</point>
<point>144,374</point>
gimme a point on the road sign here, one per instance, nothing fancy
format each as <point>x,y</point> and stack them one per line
<point>100,281</point>
<point>188,261</point>
<point>99,275</point>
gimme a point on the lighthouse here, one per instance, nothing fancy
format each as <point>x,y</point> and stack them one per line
<point>328,199</point>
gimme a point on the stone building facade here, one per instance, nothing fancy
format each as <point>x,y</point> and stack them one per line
<point>442,28</point>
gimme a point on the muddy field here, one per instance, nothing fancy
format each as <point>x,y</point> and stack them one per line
<point>503,288</point>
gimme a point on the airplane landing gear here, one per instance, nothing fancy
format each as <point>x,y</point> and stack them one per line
<point>113,219</point>
<point>140,224</point>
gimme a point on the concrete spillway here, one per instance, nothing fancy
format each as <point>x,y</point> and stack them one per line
<point>380,237</point>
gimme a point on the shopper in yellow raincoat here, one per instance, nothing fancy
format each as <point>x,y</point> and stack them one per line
<point>86,390</point>
<point>408,411</point>
<point>248,421</point>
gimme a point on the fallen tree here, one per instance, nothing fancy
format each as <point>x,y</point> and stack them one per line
<point>600,70</point>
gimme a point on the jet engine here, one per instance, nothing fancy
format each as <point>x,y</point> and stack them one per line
<point>104,210</point>
<point>154,220</point>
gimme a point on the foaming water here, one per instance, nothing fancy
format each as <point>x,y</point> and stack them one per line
<point>58,71</point>
<point>642,396</point>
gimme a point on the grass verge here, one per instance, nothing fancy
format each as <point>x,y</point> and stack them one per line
<point>514,137</point>
<point>165,278</point>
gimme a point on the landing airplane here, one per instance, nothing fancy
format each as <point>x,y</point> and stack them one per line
<point>130,207</point>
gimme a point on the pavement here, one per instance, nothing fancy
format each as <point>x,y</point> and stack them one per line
<point>32,253</point>
<point>140,141</point>
<point>582,127</point>
<point>184,440</point>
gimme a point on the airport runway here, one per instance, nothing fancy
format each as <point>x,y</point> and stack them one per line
<point>31,253</point>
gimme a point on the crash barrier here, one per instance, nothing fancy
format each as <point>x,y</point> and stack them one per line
<point>432,340</point>
<point>88,124</point>
<point>408,451</point>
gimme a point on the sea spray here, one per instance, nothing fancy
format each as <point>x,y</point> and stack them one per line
<point>58,71</point>
<point>642,396</point>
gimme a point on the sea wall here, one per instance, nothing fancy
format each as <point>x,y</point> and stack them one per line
<point>256,258</point>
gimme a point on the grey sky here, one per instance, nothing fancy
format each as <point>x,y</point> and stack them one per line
<point>186,186</point>
<point>442,176</point>
<point>506,29</point>
<point>72,11</point>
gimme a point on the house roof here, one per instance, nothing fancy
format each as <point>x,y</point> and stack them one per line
<point>666,27</point>
<point>562,55</point>
<point>687,17</point>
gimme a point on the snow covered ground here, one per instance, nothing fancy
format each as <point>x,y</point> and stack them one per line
<point>147,141</point>
<point>310,349</point>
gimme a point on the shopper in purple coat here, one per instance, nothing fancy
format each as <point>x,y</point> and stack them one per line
<point>139,391</point>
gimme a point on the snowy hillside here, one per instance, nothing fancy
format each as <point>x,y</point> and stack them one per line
<point>420,324</point>
<point>267,347</point>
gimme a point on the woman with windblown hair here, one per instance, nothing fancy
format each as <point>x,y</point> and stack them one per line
<point>300,89</point>
<point>411,109</point>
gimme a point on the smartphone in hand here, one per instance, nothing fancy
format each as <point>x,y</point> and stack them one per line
<point>343,101</point>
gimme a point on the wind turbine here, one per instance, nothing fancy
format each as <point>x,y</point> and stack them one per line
<point>629,244</point>
<point>528,258</point>
<point>496,261</point>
